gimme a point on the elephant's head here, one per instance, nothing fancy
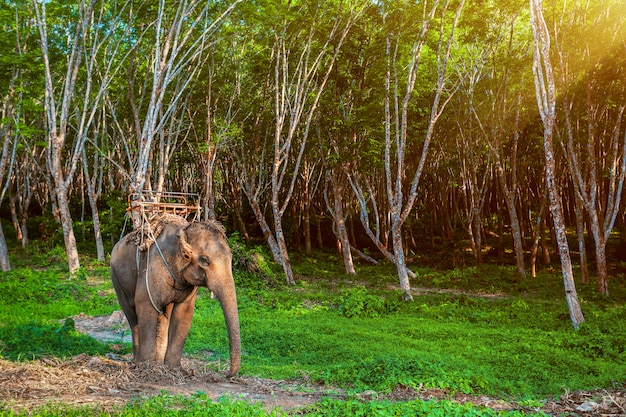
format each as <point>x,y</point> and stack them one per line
<point>207,262</point>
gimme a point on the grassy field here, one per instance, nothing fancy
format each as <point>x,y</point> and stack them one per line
<point>479,331</point>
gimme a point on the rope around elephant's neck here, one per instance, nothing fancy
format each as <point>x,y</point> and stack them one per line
<point>148,286</point>
<point>167,265</point>
<point>156,244</point>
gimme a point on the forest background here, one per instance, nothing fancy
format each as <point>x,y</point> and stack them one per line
<point>388,129</point>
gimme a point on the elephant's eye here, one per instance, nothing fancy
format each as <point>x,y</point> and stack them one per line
<point>203,260</point>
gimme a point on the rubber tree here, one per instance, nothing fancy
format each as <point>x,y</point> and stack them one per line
<point>303,53</point>
<point>59,112</point>
<point>402,73</point>
<point>15,48</point>
<point>494,95</point>
<point>545,89</point>
<point>172,39</point>
<point>593,110</point>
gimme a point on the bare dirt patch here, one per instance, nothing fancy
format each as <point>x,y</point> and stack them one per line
<point>106,382</point>
<point>112,381</point>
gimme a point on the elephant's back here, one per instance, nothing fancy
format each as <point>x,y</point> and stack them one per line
<point>124,261</point>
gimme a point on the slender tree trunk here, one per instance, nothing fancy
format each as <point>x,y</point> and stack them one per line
<point>400,261</point>
<point>68,231</point>
<point>14,218</point>
<point>397,132</point>
<point>306,226</point>
<point>297,227</point>
<point>282,244</point>
<point>24,198</point>
<point>580,232</point>
<point>516,230</point>
<point>5,264</point>
<point>537,233</point>
<point>478,234</point>
<point>306,213</point>
<point>318,230</point>
<point>339,221</point>
<point>7,157</point>
<point>298,87</point>
<point>600,246</point>
<point>58,114</point>
<point>546,102</point>
<point>93,204</point>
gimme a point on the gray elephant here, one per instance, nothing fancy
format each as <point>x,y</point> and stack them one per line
<point>156,270</point>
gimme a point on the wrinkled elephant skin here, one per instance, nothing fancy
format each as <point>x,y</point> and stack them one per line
<point>159,301</point>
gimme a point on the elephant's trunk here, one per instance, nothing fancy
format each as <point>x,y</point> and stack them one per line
<point>228,301</point>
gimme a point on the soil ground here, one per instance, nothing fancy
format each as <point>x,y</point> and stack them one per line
<point>114,380</point>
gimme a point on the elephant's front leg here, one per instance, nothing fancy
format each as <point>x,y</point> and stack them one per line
<point>180,323</point>
<point>163,324</point>
<point>148,319</point>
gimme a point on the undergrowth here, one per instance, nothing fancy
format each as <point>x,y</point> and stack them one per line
<point>200,405</point>
<point>41,299</point>
<point>478,331</point>
<point>513,339</point>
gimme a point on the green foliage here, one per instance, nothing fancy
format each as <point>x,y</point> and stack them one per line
<point>334,408</point>
<point>163,405</point>
<point>38,303</point>
<point>250,266</point>
<point>34,340</point>
<point>510,339</point>
<point>358,302</point>
<point>49,294</point>
<point>199,404</point>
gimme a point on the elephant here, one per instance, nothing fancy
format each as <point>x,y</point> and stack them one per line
<point>156,270</point>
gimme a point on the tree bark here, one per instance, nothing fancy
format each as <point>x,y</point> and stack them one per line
<point>580,233</point>
<point>93,204</point>
<point>546,102</point>
<point>57,121</point>
<point>5,264</point>
<point>516,230</point>
<point>339,220</point>
<point>298,87</point>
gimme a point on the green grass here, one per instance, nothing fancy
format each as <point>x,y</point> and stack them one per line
<point>200,405</point>
<point>354,332</point>
<point>39,299</point>
<point>506,347</point>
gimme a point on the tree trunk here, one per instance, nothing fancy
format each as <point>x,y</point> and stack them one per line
<point>516,230</point>
<point>5,264</point>
<point>282,245</point>
<point>68,230</point>
<point>398,249</point>
<point>93,204</point>
<point>14,217</point>
<point>339,221</point>
<point>600,245</point>
<point>580,232</point>
<point>546,102</point>
<point>306,217</point>
<point>297,93</point>
<point>318,231</point>
<point>306,227</point>
<point>265,228</point>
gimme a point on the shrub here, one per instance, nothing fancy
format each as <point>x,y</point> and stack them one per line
<point>250,267</point>
<point>357,302</point>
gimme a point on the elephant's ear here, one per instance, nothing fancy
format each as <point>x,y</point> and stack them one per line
<point>185,247</point>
